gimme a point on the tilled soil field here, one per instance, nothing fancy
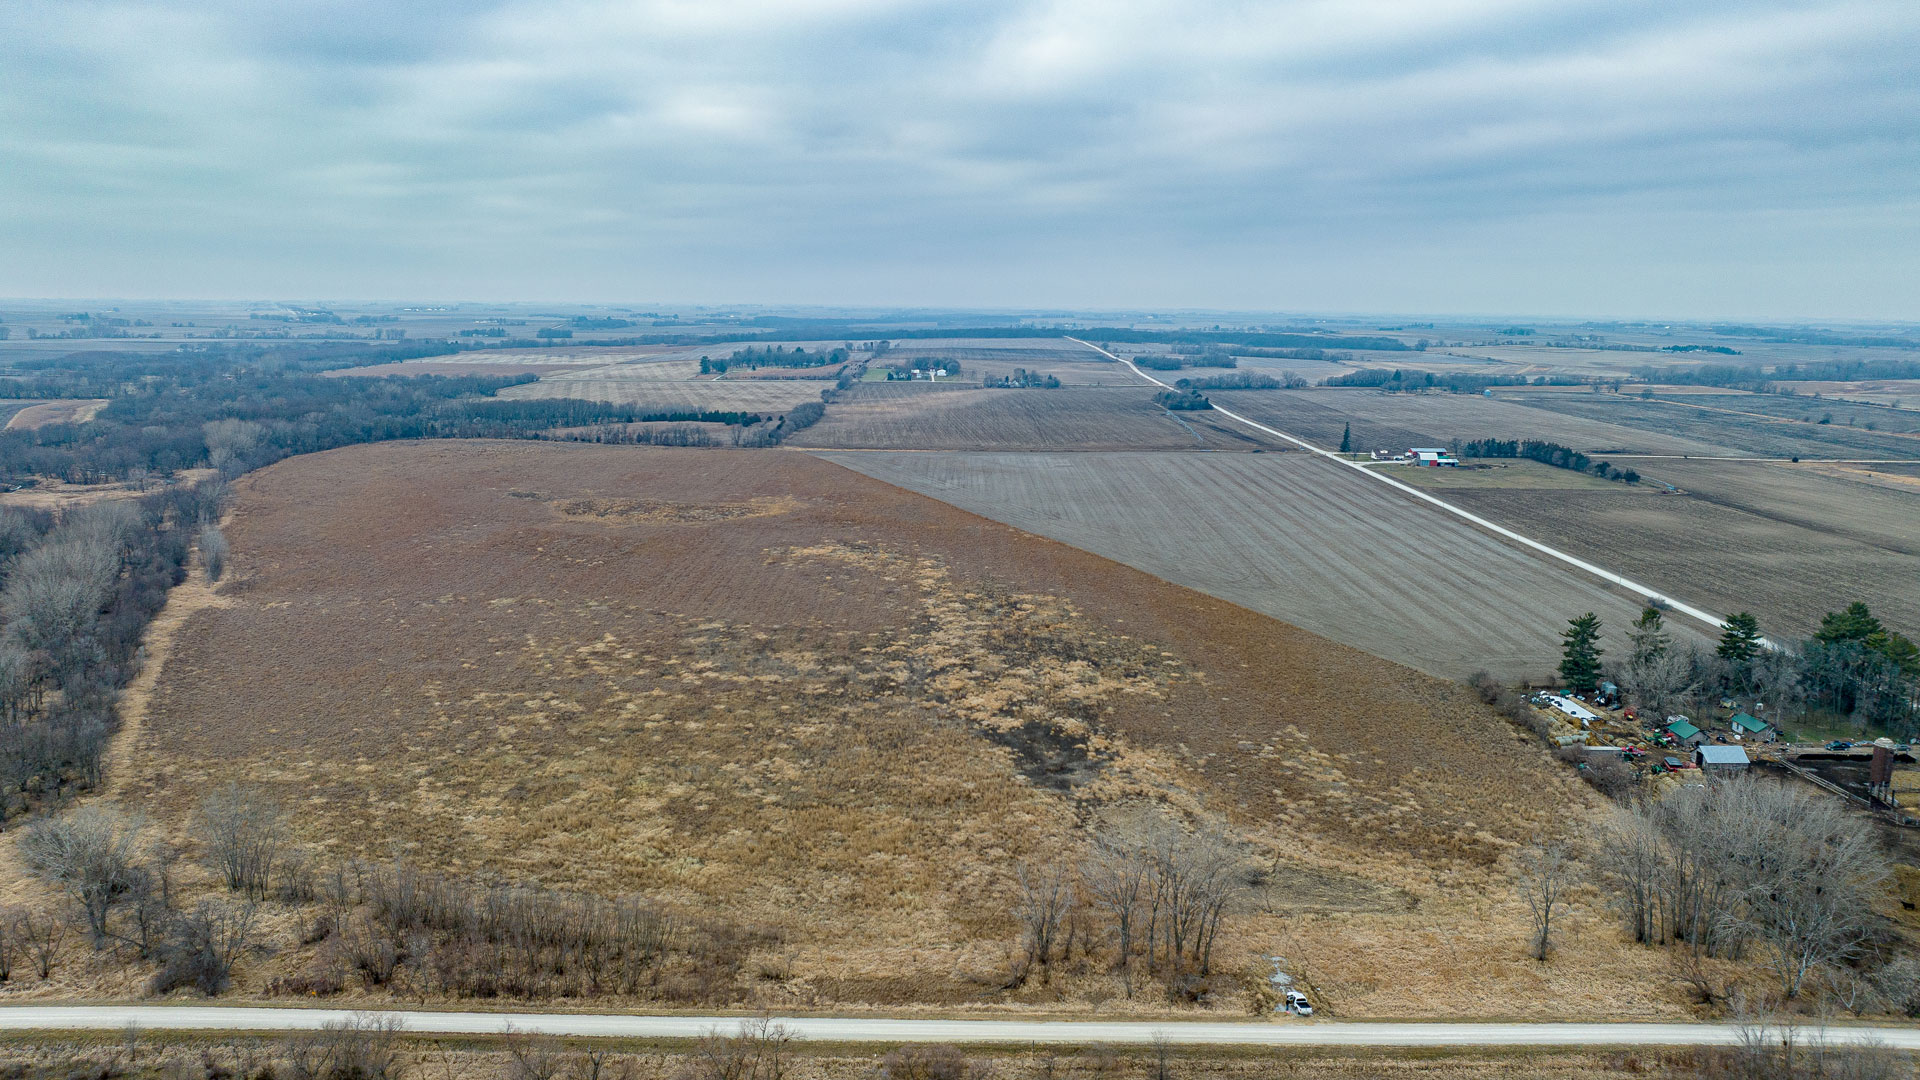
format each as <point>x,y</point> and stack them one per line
<point>1398,421</point>
<point>1734,423</point>
<point>1749,536</point>
<point>905,416</point>
<point>760,688</point>
<point>1297,538</point>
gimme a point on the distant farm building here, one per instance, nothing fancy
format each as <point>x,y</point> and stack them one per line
<point>1431,456</point>
<point>1720,759</point>
<point>1748,727</point>
<point>1684,733</point>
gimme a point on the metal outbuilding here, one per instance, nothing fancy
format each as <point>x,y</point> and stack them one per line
<point>1720,758</point>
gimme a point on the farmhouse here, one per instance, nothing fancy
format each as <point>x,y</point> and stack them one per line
<point>1720,759</point>
<point>1431,456</point>
<point>1748,727</point>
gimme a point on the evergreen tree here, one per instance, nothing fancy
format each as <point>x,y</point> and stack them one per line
<point>1741,640</point>
<point>1580,658</point>
<point>1854,624</point>
<point>1346,440</point>
<point>1649,635</point>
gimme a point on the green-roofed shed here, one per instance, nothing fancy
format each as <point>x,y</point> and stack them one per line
<point>1748,725</point>
<point>1684,733</point>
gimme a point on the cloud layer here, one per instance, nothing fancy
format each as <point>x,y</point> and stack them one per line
<point>1548,156</point>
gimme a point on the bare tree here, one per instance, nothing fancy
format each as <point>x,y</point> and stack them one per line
<point>213,552</point>
<point>42,932</point>
<point>229,442</point>
<point>203,946</point>
<point>1115,877</point>
<point>1545,875</point>
<point>1046,894</point>
<point>244,830</point>
<point>94,854</point>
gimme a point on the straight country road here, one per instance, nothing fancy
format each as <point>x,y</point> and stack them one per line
<point>1648,595</point>
<point>877,1030</point>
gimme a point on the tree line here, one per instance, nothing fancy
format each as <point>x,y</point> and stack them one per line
<point>76,592</point>
<point>1400,380</point>
<point>378,925</point>
<point>1549,453</point>
<point>1853,666</point>
<point>753,357</point>
<point>1241,380</point>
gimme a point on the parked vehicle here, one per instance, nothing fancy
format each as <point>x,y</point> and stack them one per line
<point>1298,1004</point>
<point>1839,744</point>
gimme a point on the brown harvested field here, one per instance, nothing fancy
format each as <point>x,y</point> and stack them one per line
<point>618,386</point>
<point>1894,393</point>
<point>1783,542</point>
<point>1396,421</point>
<point>1292,536</point>
<point>906,416</point>
<point>438,367</point>
<point>40,414</point>
<point>762,688</point>
<point>1755,425</point>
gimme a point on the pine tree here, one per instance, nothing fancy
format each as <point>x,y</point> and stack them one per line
<point>1854,624</point>
<point>1346,440</point>
<point>1580,658</point>
<point>1741,641</point>
<point>1649,636</point>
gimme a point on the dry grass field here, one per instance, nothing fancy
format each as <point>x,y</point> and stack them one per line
<point>41,413</point>
<point>763,689</point>
<point>1291,536</point>
<point>906,416</point>
<point>1396,421</point>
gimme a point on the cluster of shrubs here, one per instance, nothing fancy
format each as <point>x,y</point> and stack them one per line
<point>1022,378</point>
<point>1182,400</point>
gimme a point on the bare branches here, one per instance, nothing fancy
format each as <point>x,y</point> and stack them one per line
<point>759,1050</point>
<point>244,830</point>
<point>213,551</point>
<point>1739,864</point>
<point>1545,875</point>
<point>1046,895</point>
<point>94,854</point>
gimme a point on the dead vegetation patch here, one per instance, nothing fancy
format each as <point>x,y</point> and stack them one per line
<point>842,728</point>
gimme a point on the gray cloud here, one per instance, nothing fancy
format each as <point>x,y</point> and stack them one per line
<point>1751,158</point>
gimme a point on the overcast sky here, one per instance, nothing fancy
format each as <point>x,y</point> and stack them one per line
<point>1692,159</point>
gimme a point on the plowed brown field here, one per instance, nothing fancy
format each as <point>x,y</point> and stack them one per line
<point>761,687</point>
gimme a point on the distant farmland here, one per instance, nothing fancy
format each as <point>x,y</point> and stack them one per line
<point>923,417</point>
<point>1396,421</point>
<point>1290,536</point>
